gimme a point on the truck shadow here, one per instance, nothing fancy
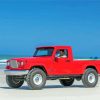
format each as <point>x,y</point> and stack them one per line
<point>59,86</point>
<point>46,87</point>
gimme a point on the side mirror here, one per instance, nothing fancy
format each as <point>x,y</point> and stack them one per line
<point>56,58</point>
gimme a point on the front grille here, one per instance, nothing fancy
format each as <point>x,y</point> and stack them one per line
<point>13,64</point>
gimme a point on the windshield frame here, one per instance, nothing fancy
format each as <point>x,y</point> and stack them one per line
<point>34,55</point>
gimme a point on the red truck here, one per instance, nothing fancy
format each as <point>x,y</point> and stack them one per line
<point>51,63</point>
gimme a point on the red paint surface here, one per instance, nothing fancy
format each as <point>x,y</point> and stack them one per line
<point>58,66</point>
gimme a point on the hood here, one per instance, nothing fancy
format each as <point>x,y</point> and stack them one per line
<point>32,59</point>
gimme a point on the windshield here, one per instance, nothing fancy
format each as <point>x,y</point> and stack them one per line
<point>43,52</point>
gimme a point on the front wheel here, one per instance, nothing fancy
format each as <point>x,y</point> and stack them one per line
<point>90,78</point>
<point>13,82</point>
<point>36,79</point>
<point>67,82</point>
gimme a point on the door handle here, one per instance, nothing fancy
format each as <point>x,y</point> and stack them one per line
<point>67,60</point>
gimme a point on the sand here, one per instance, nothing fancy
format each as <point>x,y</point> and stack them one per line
<point>52,91</point>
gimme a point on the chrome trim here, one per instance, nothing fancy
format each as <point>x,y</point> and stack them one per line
<point>16,72</point>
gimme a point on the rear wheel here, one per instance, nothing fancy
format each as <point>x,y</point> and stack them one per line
<point>90,78</point>
<point>13,82</point>
<point>36,79</point>
<point>67,82</point>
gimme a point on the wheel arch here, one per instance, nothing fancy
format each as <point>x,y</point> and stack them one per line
<point>93,67</point>
<point>40,67</point>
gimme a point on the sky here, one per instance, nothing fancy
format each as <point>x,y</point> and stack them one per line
<point>26,24</point>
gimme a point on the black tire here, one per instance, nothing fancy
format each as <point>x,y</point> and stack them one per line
<point>90,78</point>
<point>67,82</point>
<point>31,79</point>
<point>13,83</point>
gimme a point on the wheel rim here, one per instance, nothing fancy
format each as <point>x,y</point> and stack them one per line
<point>37,79</point>
<point>91,78</point>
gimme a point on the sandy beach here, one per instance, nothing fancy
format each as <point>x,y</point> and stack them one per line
<point>52,91</point>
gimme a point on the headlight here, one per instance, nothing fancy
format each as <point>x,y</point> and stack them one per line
<point>20,63</point>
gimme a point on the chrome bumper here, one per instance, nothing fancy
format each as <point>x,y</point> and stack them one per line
<point>16,72</point>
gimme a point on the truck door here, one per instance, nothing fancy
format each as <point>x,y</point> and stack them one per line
<point>62,64</point>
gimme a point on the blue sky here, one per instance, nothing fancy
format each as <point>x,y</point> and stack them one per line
<point>25,24</point>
